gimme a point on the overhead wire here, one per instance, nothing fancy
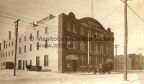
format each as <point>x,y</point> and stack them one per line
<point>19,11</point>
<point>111,12</point>
<point>135,12</point>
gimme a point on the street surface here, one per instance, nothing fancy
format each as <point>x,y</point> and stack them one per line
<point>33,77</point>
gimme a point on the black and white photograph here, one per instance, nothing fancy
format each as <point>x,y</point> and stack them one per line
<point>71,41</point>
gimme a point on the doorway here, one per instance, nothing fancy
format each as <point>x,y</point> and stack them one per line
<point>74,66</point>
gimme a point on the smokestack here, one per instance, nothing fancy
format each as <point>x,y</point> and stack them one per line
<point>9,35</point>
<point>0,46</point>
<point>4,44</point>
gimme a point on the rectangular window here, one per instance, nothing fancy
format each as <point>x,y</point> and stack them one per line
<point>37,61</point>
<point>90,60</point>
<point>9,53</point>
<point>30,47</point>
<point>82,45</point>
<point>46,30</point>
<point>83,61</point>
<point>90,46</point>
<point>96,61</point>
<point>1,55</point>
<point>74,28</point>
<point>45,60</point>
<point>69,44</point>
<point>37,45</point>
<point>12,53</point>
<point>82,30</point>
<point>19,50</point>
<point>12,43</point>
<point>68,27</point>
<point>6,54</point>
<point>24,38</point>
<point>38,33</point>
<point>19,40</point>
<point>31,37</point>
<point>24,49</point>
<point>69,63</point>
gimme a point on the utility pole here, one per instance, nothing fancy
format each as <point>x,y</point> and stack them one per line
<point>125,40</point>
<point>16,35</point>
<point>88,52</point>
<point>116,46</point>
<point>141,58</point>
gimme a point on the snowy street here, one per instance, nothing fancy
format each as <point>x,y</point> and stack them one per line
<point>32,77</point>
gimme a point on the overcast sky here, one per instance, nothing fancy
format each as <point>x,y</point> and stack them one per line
<point>37,9</point>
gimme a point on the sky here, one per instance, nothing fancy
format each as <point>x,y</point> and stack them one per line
<point>33,10</point>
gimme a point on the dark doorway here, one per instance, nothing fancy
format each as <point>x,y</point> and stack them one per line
<point>23,65</point>
<point>19,64</point>
<point>74,66</point>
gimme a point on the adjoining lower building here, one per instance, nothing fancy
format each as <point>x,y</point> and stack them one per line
<point>134,62</point>
<point>60,43</point>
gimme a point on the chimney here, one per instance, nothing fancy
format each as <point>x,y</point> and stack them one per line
<point>0,46</point>
<point>4,44</point>
<point>9,35</point>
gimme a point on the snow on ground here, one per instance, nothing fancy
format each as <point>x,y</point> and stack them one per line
<point>32,77</point>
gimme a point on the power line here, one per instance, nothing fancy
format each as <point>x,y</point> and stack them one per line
<point>18,11</point>
<point>15,15</point>
<point>8,17</point>
<point>111,12</point>
<point>135,13</point>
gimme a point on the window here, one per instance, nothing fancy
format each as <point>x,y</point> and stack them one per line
<point>68,27</point>
<point>101,48</point>
<point>24,38</point>
<point>101,36</point>
<point>46,60</point>
<point>95,48</point>
<point>9,53</point>
<point>38,33</point>
<point>37,45</point>
<point>24,49</point>
<point>74,44</point>
<point>96,61</point>
<point>3,54</point>
<point>19,40</point>
<point>6,54</point>
<point>96,35</point>
<point>46,30</point>
<point>19,50</point>
<point>90,46</point>
<point>12,43</point>
<point>82,31</point>
<point>12,53</point>
<point>83,61</point>
<point>69,45</point>
<point>68,63</point>
<point>30,47</point>
<point>74,28</point>
<point>90,60</point>
<point>37,61</point>
<point>82,45</point>
<point>31,37</point>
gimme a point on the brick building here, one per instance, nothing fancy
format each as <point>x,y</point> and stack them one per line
<point>60,43</point>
